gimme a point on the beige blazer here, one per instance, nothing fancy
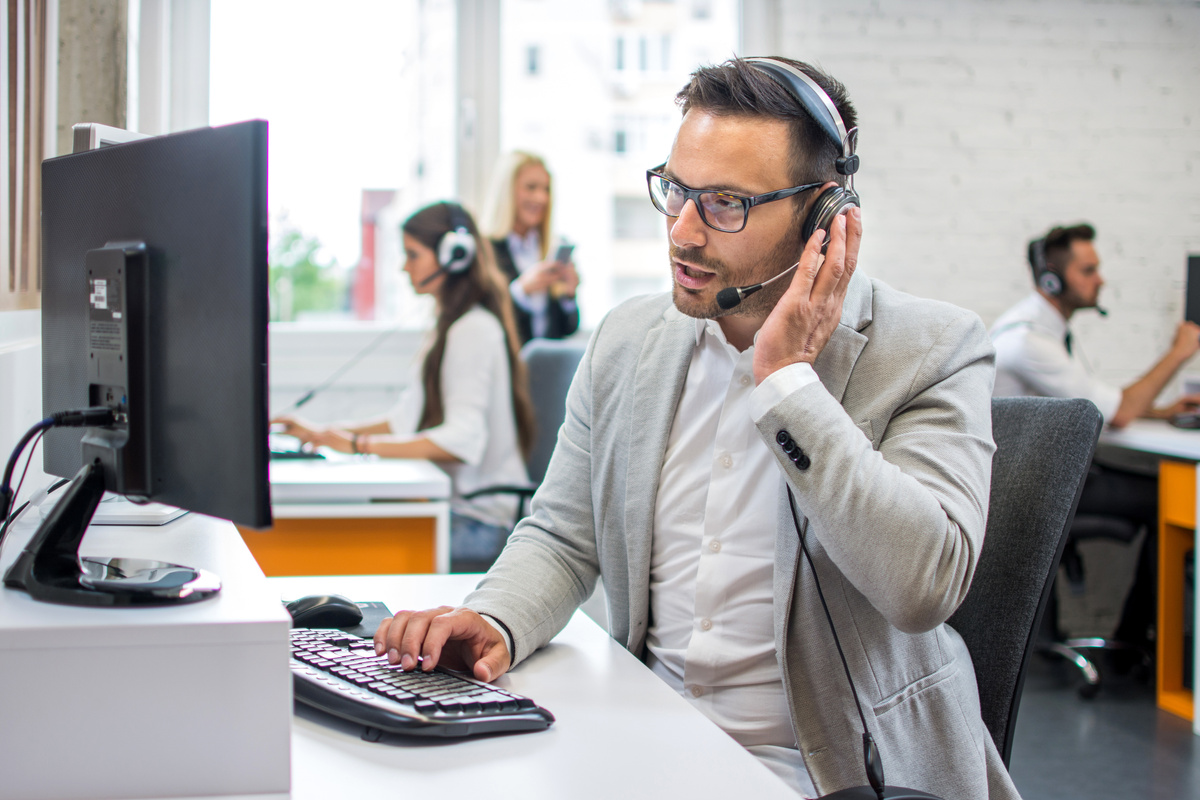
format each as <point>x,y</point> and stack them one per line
<point>894,500</point>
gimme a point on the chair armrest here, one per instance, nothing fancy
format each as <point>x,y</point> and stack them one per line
<point>520,491</point>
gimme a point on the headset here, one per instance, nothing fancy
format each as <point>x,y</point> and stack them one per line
<point>1046,278</point>
<point>813,99</point>
<point>834,200</point>
<point>456,248</point>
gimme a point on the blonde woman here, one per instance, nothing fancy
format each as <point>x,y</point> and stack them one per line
<point>542,286</point>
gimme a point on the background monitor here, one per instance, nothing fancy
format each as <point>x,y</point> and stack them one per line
<point>154,304</point>
<point>1192,305</point>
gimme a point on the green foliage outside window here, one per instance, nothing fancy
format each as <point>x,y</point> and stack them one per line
<point>302,282</point>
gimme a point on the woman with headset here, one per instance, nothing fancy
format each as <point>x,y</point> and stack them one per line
<point>542,284</point>
<point>467,405</point>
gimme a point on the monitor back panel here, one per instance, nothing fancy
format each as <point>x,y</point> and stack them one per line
<point>198,200</point>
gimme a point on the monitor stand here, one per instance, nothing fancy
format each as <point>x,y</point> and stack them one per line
<point>51,569</point>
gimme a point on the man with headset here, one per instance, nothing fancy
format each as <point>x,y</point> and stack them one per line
<point>1036,356</point>
<point>708,430</point>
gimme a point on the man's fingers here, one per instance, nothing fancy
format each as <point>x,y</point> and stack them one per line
<point>834,267</point>
<point>477,641</point>
<point>404,635</point>
<point>380,637</point>
<point>800,286</point>
<point>494,663</point>
<point>419,640</point>
<point>413,644</point>
<point>854,231</point>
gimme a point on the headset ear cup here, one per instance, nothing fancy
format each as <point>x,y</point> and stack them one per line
<point>826,207</point>
<point>456,250</point>
<point>1050,283</point>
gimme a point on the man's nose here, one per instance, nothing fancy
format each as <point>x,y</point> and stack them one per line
<point>688,229</point>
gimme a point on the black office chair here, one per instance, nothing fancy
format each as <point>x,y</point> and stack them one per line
<point>551,364</point>
<point>1043,448</point>
<point>1076,649</point>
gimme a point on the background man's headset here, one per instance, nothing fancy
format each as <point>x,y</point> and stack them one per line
<point>456,248</point>
<point>1046,278</point>
<point>834,200</point>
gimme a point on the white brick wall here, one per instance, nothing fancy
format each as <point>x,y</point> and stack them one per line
<point>984,123</point>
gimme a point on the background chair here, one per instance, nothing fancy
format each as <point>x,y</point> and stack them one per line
<point>1074,649</point>
<point>1043,448</point>
<point>551,365</point>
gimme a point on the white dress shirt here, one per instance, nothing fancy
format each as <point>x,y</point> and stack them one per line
<point>1032,358</point>
<point>711,596</point>
<point>478,426</point>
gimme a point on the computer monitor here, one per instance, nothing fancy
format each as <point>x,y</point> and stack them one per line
<point>1191,309</point>
<point>154,304</point>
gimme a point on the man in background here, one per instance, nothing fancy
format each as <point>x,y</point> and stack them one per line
<point>1037,357</point>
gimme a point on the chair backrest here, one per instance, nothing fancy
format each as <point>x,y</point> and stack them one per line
<point>551,364</point>
<point>1043,448</point>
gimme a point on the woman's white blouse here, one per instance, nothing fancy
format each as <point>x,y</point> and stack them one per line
<point>478,426</point>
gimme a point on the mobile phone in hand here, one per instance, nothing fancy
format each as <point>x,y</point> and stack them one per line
<point>563,256</point>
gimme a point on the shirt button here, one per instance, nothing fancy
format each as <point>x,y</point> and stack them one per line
<point>746,380</point>
<point>706,624</point>
<point>696,691</point>
<point>715,546</point>
<point>727,461</point>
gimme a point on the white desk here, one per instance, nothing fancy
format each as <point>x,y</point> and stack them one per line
<point>1178,513</point>
<point>355,515</point>
<point>1155,436</point>
<point>620,731</point>
<point>120,702</point>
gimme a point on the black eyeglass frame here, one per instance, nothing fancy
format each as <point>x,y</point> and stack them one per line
<point>748,201</point>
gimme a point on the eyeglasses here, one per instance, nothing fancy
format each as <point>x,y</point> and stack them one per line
<point>720,211</point>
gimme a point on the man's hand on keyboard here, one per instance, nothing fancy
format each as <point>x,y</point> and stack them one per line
<point>457,638</point>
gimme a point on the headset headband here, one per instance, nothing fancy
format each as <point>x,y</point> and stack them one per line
<point>810,95</point>
<point>458,216</point>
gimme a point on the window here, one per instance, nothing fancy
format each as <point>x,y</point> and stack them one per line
<point>600,117</point>
<point>635,218</point>
<point>358,101</point>
<point>363,104</point>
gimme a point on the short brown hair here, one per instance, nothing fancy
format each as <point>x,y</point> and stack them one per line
<point>737,88</point>
<point>1055,247</point>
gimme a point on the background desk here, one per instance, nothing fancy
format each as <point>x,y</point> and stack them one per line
<point>355,516</point>
<point>620,731</point>
<point>1177,514</point>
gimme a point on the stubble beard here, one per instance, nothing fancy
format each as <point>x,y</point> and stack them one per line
<point>785,254</point>
<point>1078,302</point>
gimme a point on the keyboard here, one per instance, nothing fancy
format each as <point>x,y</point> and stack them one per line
<point>341,675</point>
<point>279,455</point>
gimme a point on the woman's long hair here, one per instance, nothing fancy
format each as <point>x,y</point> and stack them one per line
<point>501,210</point>
<point>480,283</point>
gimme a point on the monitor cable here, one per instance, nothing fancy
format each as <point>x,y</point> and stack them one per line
<point>79,418</point>
<point>871,758</point>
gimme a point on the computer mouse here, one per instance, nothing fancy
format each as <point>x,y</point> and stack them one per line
<point>324,611</point>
